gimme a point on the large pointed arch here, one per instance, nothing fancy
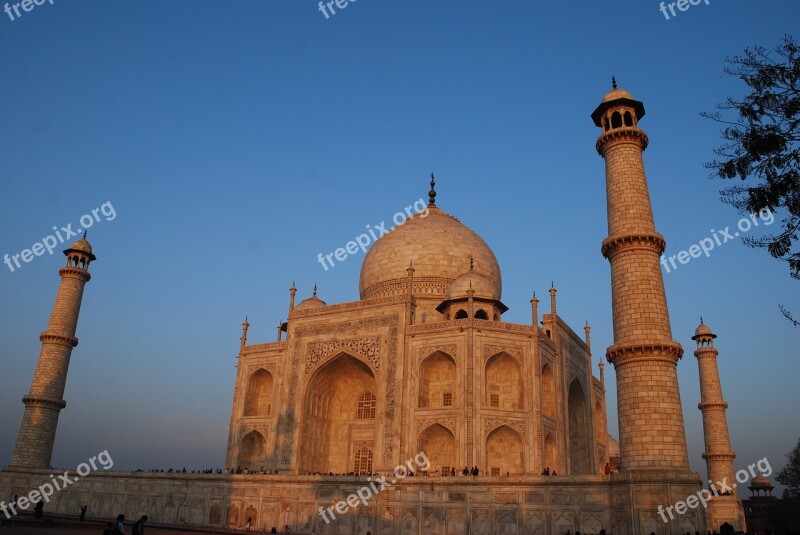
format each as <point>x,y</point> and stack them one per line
<point>580,450</point>
<point>437,381</point>
<point>503,383</point>
<point>600,431</point>
<point>439,445</point>
<point>505,452</point>
<point>549,455</point>
<point>258,395</point>
<point>331,414</point>
<point>548,392</point>
<point>252,451</point>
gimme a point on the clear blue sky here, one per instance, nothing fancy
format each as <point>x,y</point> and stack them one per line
<point>238,140</point>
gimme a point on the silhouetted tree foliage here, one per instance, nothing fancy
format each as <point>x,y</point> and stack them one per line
<point>762,145</point>
<point>790,474</point>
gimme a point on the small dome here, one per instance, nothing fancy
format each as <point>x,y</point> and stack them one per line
<point>311,302</point>
<point>614,98</point>
<point>761,482</point>
<point>82,246</point>
<point>703,330</point>
<point>616,94</point>
<point>482,286</point>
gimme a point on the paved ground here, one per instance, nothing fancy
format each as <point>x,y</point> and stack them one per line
<point>68,527</point>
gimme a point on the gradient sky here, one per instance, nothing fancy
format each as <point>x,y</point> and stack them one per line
<point>237,140</point>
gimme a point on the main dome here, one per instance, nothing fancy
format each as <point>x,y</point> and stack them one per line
<point>438,246</point>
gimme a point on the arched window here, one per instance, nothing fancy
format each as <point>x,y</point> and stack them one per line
<point>580,445</point>
<point>363,461</point>
<point>481,315</point>
<point>214,515</point>
<point>252,451</point>
<point>503,383</point>
<point>628,119</point>
<point>548,392</point>
<point>366,406</point>
<point>549,454</point>
<point>258,396</point>
<point>437,380</point>
<point>616,120</point>
<point>462,314</point>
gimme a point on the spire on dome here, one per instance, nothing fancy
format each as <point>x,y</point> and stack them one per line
<point>432,192</point>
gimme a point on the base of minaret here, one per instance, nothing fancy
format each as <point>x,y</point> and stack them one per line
<point>37,432</point>
<point>722,509</point>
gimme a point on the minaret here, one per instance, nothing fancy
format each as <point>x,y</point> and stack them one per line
<point>644,354</point>
<point>44,402</point>
<point>587,329</point>
<point>718,455</point>
<point>292,294</point>
<point>245,327</point>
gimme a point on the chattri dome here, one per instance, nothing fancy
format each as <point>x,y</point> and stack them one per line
<point>82,245</point>
<point>311,302</point>
<point>616,94</point>
<point>703,330</point>
<point>761,481</point>
<point>438,246</point>
<point>481,285</point>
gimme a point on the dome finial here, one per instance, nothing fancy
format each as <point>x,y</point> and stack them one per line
<point>432,192</point>
<point>701,320</point>
<point>471,263</point>
<point>315,289</point>
<point>613,83</point>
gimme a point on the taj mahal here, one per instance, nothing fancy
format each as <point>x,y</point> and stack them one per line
<point>423,362</point>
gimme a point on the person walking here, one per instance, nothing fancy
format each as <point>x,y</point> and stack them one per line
<point>138,527</point>
<point>118,527</point>
<point>83,512</point>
